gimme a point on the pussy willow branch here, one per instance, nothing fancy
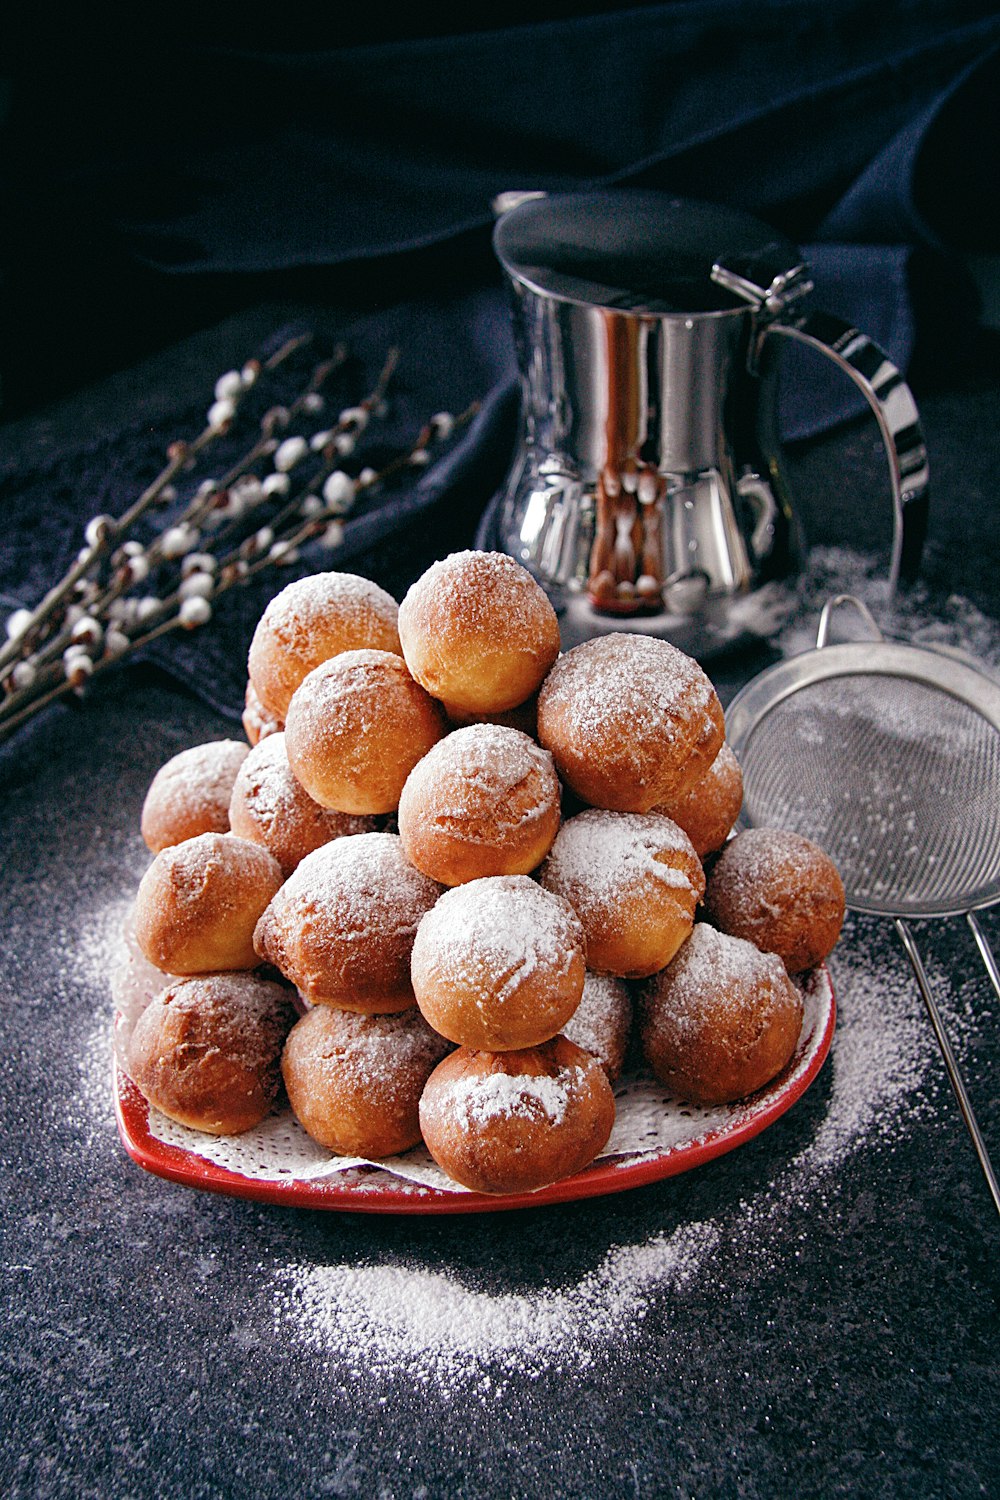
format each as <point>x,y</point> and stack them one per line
<point>180,456</point>
<point>206,498</point>
<point>273,545</point>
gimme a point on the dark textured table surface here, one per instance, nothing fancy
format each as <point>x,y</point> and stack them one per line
<point>813,1314</point>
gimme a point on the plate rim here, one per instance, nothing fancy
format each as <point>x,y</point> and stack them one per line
<point>602,1178</point>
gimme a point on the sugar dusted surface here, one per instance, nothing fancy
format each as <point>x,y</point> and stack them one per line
<point>618,686</point>
<point>484,593</point>
<point>605,857</point>
<point>301,607</point>
<point>505,926</point>
<point>474,781</point>
<point>194,785</point>
<point>353,887</point>
<point>602,1021</point>
<point>373,1051</point>
<point>472,1101</point>
<point>712,971</point>
<point>280,809</point>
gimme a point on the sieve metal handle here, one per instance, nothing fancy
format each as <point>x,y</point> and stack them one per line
<point>823,631</point>
<point>985,951</point>
<point>954,1073</point>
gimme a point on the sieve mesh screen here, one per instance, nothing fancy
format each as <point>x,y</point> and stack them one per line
<point>896,779</point>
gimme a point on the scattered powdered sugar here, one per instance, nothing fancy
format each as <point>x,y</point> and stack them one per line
<point>389,1322</point>
<point>384,1322</point>
<point>401,1320</point>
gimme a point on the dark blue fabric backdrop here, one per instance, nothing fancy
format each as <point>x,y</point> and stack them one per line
<point>156,178</point>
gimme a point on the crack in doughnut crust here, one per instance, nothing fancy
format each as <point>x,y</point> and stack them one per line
<point>630,720</point>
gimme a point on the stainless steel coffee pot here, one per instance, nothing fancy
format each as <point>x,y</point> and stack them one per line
<point>648,490</point>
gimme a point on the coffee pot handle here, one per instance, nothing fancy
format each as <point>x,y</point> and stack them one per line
<point>895,410</point>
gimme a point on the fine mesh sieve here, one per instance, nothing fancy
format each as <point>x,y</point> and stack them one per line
<point>887,755</point>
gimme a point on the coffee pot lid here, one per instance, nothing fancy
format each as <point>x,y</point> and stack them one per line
<point>644,252</point>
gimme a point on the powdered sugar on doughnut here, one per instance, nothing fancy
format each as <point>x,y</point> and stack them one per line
<point>752,861</point>
<point>376,1050</point>
<point>473,777</point>
<point>268,798</point>
<point>506,926</point>
<point>473,1101</point>
<point>357,885</point>
<point>487,589</point>
<point>613,681</point>
<point>605,856</point>
<point>712,970</point>
<point>245,1017</point>
<point>302,607</point>
<point>190,793</point>
<point>602,1021</point>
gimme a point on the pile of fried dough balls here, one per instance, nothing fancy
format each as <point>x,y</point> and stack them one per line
<point>418,899</point>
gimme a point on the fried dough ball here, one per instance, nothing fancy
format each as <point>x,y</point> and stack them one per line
<point>342,926</point>
<point>356,727</point>
<point>721,1020</point>
<point>602,1022</point>
<point>354,1082</point>
<point>708,810</point>
<point>779,891</point>
<point>483,801</point>
<point>257,722</point>
<point>513,1122</point>
<point>190,794</point>
<point>199,902</point>
<point>269,806</point>
<point>631,721</point>
<point>478,632</point>
<point>634,881</point>
<point>310,621</point>
<point>207,1051</point>
<point>499,963</point>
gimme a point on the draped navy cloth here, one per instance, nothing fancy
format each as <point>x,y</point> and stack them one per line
<point>156,179</point>
<point>140,161</point>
